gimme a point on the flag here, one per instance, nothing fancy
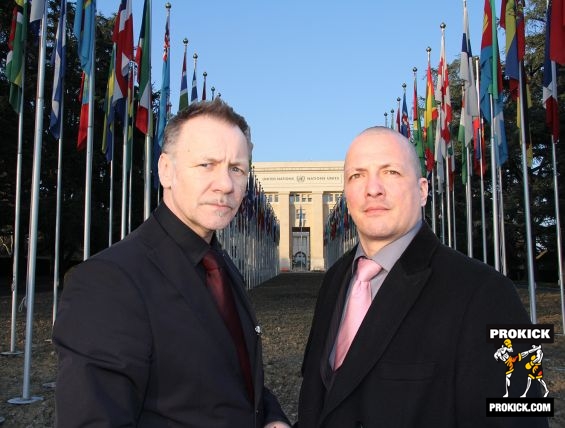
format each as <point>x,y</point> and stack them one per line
<point>58,61</point>
<point>487,84</point>
<point>108,135</point>
<point>479,148</point>
<point>36,15</point>
<point>194,93</point>
<point>430,115</point>
<point>417,134</point>
<point>491,81</point>
<point>397,128</point>
<point>469,106</point>
<point>512,20</point>
<point>467,75</point>
<point>83,121</point>
<point>557,35</point>
<point>165,89</point>
<point>442,95</point>
<point>122,37</point>
<point>143,60</point>
<point>16,58</point>
<point>204,87</point>
<point>549,84</point>
<point>84,31</point>
<point>404,125</point>
<point>183,99</point>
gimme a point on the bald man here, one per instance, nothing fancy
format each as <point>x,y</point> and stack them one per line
<point>419,357</point>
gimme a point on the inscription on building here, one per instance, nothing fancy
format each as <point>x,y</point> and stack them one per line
<point>303,178</point>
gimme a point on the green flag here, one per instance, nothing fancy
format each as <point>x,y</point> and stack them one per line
<point>15,58</point>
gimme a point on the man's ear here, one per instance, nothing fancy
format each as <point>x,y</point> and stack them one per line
<point>165,166</point>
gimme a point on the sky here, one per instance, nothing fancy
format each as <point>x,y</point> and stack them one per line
<point>308,75</point>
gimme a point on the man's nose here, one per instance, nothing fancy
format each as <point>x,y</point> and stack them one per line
<point>375,185</point>
<point>223,180</point>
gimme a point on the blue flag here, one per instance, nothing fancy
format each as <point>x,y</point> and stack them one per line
<point>59,63</point>
<point>84,30</point>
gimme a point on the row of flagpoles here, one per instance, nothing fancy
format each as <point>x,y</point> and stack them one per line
<point>482,100</point>
<point>252,237</point>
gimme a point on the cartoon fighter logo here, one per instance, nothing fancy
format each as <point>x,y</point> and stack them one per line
<point>503,354</point>
<point>535,370</point>
<point>534,366</point>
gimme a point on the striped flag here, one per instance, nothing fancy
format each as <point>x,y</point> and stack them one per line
<point>123,41</point>
<point>430,115</point>
<point>83,122</point>
<point>84,30</point>
<point>16,48</point>
<point>467,74</point>
<point>512,20</point>
<point>36,15</point>
<point>491,81</point>
<point>194,93</point>
<point>143,60</point>
<point>549,84</point>
<point>417,134</point>
<point>469,106</point>
<point>165,88</point>
<point>183,99</point>
<point>404,125</point>
<point>109,109</point>
<point>59,63</point>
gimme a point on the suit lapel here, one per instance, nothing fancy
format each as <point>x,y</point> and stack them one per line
<point>175,266</point>
<point>399,292</point>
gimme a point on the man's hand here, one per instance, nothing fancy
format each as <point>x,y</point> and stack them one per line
<point>277,424</point>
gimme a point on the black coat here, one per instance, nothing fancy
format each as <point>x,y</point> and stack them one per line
<point>140,343</point>
<point>420,358</point>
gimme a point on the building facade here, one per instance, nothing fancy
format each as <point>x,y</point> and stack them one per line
<point>302,195</point>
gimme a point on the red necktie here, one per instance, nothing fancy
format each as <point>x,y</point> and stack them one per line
<point>220,287</point>
<point>357,306</point>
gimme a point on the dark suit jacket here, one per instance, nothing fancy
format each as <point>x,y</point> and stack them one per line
<point>140,343</point>
<point>420,358</point>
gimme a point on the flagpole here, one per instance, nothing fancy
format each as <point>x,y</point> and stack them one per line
<point>480,137</point>
<point>111,199</point>
<point>398,113</point>
<point>125,168</point>
<point>89,143</point>
<point>529,246</point>
<point>148,142</point>
<point>58,209</point>
<point>501,222</point>
<point>433,178</point>
<point>469,195</point>
<point>386,122</point>
<point>447,163</point>
<point>34,211</point>
<point>17,216</point>
<point>130,196</point>
<point>495,230</point>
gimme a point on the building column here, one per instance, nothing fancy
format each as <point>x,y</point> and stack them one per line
<point>285,229</point>
<point>317,232</point>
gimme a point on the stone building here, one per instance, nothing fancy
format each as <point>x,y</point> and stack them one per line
<point>302,194</point>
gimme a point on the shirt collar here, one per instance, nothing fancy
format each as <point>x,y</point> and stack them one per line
<point>390,253</point>
<point>191,244</point>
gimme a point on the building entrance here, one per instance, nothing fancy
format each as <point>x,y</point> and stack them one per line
<point>300,249</point>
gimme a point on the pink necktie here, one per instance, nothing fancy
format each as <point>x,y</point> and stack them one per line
<point>357,306</point>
